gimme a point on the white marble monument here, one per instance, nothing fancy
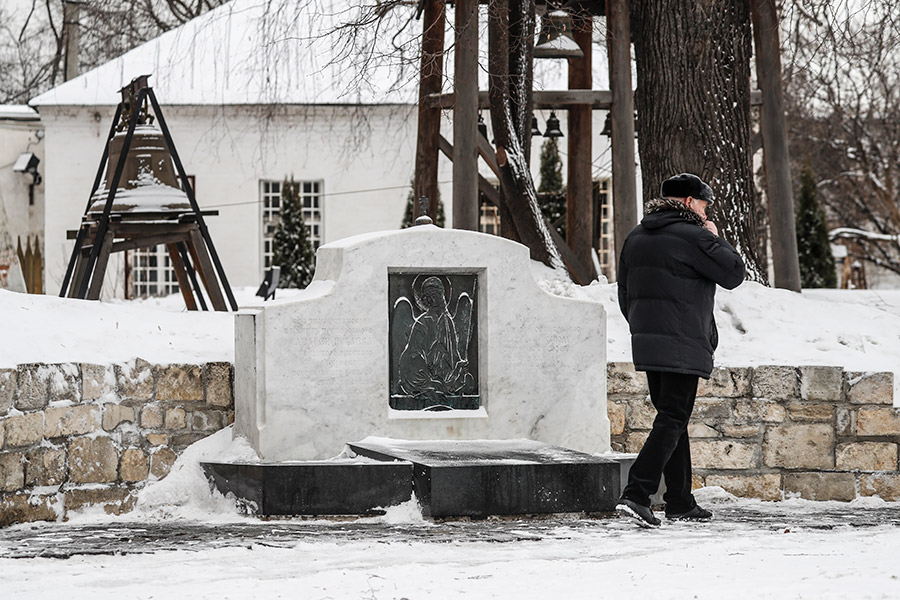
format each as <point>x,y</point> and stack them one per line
<point>420,334</point>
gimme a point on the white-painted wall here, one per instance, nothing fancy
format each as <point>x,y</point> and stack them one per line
<point>364,155</point>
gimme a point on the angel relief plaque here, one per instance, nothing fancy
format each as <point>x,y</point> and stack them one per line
<point>434,342</point>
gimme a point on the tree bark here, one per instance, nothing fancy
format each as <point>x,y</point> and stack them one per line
<point>509,97</point>
<point>693,106</point>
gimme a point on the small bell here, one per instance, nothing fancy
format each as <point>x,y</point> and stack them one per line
<point>534,127</point>
<point>607,127</point>
<point>555,40</point>
<point>482,127</point>
<point>553,130</point>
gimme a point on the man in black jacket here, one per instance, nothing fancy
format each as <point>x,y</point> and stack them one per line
<point>668,270</point>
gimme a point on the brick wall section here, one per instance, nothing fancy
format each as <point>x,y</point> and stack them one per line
<point>78,434</point>
<point>773,431</point>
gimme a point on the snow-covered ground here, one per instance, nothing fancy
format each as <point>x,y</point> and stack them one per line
<point>183,541</point>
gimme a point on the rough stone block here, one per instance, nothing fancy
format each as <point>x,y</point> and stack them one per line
<point>183,440</point>
<point>740,431</point>
<point>723,454</point>
<point>617,446</point>
<point>113,500</point>
<point>71,420</point>
<point>97,381</point>
<point>63,381</point>
<point>24,430</point>
<point>870,388</point>
<point>764,487</point>
<point>870,420</point>
<point>116,414</point>
<point>634,441</point>
<point>725,382</point>
<point>2,433</point>
<point>93,460</point>
<point>843,422</point>
<point>775,382</point>
<point>8,381</point>
<point>821,384</point>
<point>884,485</point>
<point>821,486</point>
<point>181,383</point>
<point>712,410</point>
<point>135,380</point>
<point>616,413</point>
<point>821,413</point>
<point>700,430</point>
<point>756,410</point>
<point>32,389</point>
<point>207,420</point>
<point>866,456</point>
<point>799,447</point>
<point>12,471</point>
<point>157,439</point>
<point>176,418</point>
<point>640,413</point>
<point>135,465</point>
<point>161,462</point>
<point>151,417</point>
<point>621,378</point>
<point>217,384</point>
<point>26,508</point>
<point>45,466</point>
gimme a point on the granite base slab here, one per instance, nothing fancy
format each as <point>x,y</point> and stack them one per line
<point>480,478</point>
<point>313,488</point>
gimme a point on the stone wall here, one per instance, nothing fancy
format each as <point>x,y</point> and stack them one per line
<point>78,434</point>
<point>776,431</point>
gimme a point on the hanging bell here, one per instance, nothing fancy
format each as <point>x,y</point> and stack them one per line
<point>553,130</point>
<point>482,127</point>
<point>607,127</point>
<point>534,127</point>
<point>149,183</point>
<point>555,40</point>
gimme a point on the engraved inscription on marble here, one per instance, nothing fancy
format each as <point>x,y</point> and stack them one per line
<point>433,341</point>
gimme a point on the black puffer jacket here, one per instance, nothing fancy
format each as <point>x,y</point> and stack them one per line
<point>668,271</point>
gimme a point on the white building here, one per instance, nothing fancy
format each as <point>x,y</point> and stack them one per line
<point>251,98</point>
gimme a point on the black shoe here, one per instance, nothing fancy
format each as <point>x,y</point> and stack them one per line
<point>642,515</point>
<point>695,514</point>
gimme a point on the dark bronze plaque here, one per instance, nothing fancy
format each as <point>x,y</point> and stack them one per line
<point>434,341</point>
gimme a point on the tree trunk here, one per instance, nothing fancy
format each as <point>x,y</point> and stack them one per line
<point>509,92</point>
<point>693,107</point>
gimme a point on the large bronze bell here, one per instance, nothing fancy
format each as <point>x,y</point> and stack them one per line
<point>149,182</point>
<point>555,40</point>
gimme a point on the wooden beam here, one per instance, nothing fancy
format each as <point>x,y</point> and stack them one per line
<point>184,286</point>
<point>547,99</point>
<point>776,159</point>
<point>429,124</point>
<point>488,154</point>
<point>204,267</point>
<point>100,267</point>
<point>577,270</point>
<point>579,188</point>
<point>484,186</point>
<point>465,117</point>
<point>624,176</point>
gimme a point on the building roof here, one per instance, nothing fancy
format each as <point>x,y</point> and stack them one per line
<point>18,112</point>
<point>275,52</point>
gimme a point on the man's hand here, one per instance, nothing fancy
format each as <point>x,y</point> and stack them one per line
<point>711,227</point>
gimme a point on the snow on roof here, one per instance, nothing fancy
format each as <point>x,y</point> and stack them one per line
<point>278,52</point>
<point>18,112</point>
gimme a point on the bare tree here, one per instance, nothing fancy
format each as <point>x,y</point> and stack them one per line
<point>842,85</point>
<point>32,52</point>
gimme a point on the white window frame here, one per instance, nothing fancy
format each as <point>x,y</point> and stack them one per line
<point>151,273</point>
<point>312,202</point>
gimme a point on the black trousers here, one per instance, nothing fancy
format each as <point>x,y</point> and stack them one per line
<point>667,451</point>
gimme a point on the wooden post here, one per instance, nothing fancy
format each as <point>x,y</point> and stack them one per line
<point>465,117</point>
<point>429,126</point>
<point>776,159</point>
<point>72,35</point>
<point>579,192</point>
<point>621,114</point>
<point>184,285</point>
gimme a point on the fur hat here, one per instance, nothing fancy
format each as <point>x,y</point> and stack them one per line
<point>684,185</point>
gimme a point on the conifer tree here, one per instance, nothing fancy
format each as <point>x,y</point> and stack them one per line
<point>291,246</point>
<point>816,260</point>
<point>408,220</point>
<point>552,190</point>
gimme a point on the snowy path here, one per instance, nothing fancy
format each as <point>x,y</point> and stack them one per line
<point>752,549</point>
